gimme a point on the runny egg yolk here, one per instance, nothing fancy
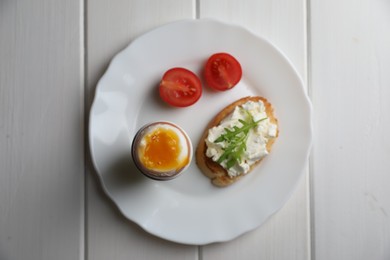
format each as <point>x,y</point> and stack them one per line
<point>161,150</point>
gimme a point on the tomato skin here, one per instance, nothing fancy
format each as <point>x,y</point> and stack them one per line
<point>180,87</point>
<point>222,71</point>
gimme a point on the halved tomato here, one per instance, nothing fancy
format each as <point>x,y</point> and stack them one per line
<point>180,87</point>
<point>222,71</point>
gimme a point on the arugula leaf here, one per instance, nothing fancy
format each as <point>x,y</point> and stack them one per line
<point>236,140</point>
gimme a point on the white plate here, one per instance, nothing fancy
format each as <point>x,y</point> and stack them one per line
<point>190,209</point>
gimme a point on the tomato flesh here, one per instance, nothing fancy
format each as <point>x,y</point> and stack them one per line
<point>222,71</point>
<point>180,87</point>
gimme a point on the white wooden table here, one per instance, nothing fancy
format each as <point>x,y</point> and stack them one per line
<point>52,53</point>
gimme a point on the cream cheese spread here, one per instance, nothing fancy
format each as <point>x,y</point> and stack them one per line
<point>256,141</point>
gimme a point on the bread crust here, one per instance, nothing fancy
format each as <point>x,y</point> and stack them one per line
<point>218,175</point>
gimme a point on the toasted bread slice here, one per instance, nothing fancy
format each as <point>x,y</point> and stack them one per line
<point>219,175</point>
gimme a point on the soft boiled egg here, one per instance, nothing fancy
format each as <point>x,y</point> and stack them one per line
<point>161,150</point>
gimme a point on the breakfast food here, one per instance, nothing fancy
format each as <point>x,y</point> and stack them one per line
<point>180,87</point>
<point>236,140</point>
<point>222,71</point>
<point>161,150</point>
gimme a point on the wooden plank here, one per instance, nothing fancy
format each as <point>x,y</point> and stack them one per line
<point>286,234</point>
<point>41,130</point>
<point>112,25</point>
<point>350,88</point>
